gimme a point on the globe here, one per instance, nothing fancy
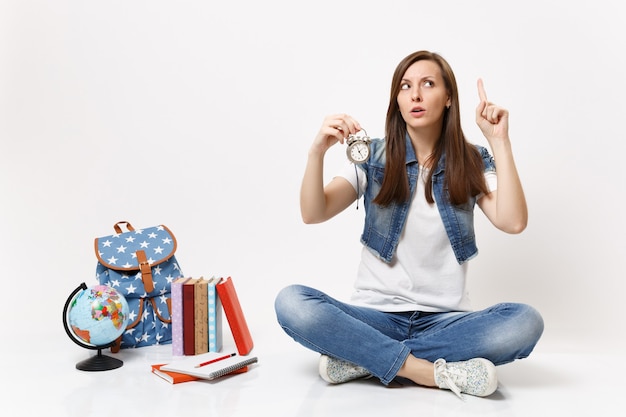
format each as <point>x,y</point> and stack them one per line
<point>94,317</point>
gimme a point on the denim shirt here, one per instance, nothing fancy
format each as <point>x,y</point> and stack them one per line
<point>384,225</point>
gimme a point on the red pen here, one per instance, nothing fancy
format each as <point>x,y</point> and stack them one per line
<point>215,360</point>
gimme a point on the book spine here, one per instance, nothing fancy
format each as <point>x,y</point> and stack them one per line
<point>214,318</point>
<point>177,317</point>
<point>234,315</point>
<point>189,346</point>
<point>201,322</point>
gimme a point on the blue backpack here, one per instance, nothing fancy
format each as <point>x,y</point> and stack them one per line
<point>140,264</point>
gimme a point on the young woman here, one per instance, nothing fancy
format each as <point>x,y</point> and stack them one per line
<point>410,315</point>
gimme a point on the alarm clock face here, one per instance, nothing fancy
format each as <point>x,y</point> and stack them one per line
<point>358,152</point>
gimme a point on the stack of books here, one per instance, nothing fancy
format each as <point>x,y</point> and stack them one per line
<point>197,324</point>
<point>197,330</point>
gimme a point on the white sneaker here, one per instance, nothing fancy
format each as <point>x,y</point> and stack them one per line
<point>475,377</point>
<point>337,371</point>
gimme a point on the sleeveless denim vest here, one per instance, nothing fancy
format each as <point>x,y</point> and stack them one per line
<point>383,225</point>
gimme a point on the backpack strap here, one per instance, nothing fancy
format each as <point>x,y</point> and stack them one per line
<point>169,310</point>
<point>146,271</point>
<point>118,229</point>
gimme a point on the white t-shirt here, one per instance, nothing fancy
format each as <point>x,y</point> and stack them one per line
<point>424,274</point>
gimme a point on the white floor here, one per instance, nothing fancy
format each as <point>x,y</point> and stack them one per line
<point>285,383</point>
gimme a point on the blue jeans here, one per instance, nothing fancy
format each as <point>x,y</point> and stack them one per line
<point>381,341</point>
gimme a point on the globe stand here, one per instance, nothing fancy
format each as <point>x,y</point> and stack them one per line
<point>98,362</point>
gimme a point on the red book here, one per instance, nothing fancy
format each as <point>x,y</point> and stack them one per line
<point>234,315</point>
<point>189,328</point>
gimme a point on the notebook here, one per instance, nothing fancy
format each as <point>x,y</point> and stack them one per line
<point>172,377</point>
<point>217,364</point>
<point>176,378</point>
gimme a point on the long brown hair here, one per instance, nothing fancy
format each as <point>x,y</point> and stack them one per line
<point>464,167</point>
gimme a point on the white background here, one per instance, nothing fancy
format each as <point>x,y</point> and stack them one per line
<point>199,114</point>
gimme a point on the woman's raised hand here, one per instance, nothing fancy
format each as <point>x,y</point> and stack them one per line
<point>493,120</point>
<point>335,128</point>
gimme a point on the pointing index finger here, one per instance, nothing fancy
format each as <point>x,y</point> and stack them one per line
<point>481,90</point>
